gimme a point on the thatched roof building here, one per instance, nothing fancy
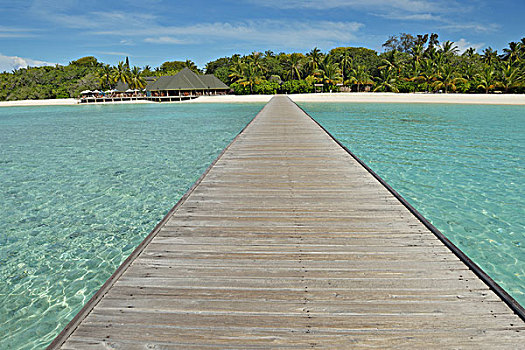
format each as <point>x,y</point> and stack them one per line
<point>186,82</point>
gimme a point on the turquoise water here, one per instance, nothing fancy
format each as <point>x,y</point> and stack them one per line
<point>80,187</point>
<point>461,166</point>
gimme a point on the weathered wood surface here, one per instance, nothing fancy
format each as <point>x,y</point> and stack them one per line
<point>288,242</point>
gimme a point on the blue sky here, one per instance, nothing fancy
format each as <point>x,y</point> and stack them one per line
<point>38,32</point>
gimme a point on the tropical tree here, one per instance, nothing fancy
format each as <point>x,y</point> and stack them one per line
<point>236,68</point>
<point>359,76</point>
<point>513,53</point>
<point>470,52</point>
<point>251,75</point>
<point>136,81</point>
<point>147,70</point>
<point>447,79</point>
<point>256,58</point>
<point>487,79</point>
<point>391,62</point>
<point>191,65</point>
<point>418,53</point>
<point>121,73</point>
<point>387,81</point>
<point>425,76</point>
<point>313,59</point>
<point>106,76</point>
<point>510,77</point>
<point>489,56</point>
<point>329,71</point>
<point>345,62</point>
<point>448,49</point>
<point>294,66</point>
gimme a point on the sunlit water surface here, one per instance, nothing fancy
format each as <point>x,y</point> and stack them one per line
<point>461,166</point>
<point>80,187</point>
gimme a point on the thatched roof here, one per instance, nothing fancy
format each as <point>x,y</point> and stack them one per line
<point>187,80</point>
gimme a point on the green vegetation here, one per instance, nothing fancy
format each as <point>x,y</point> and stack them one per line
<point>409,64</point>
<point>85,73</point>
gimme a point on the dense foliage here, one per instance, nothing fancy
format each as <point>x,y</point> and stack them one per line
<point>83,74</point>
<point>409,64</point>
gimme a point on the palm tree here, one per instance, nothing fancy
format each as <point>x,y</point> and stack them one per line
<point>313,60</point>
<point>191,65</point>
<point>120,73</point>
<point>386,81</point>
<point>360,77</point>
<point>425,75</point>
<point>489,56</point>
<point>236,68</point>
<point>136,81</point>
<point>391,62</point>
<point>447,79</point>
<point>449,49</point>
<point>251,76</point>
<point>345,62</point>
<point>146,70</point>
<point>433,40</point>
<point>513,53</point>
<point>295,63</point>
<point>330,72</point>
<point>487,79</point>
<point>417,52</point>
<point>269,54</point>
<point>510,77</point>
<point>106,76</point>
<point>256,59</point>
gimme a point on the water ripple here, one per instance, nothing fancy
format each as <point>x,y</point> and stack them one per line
<point>80,187</point>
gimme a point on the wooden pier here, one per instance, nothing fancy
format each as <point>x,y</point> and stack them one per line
<point>287,241</point>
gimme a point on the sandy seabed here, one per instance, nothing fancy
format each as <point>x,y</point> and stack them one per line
<point>488,99</point>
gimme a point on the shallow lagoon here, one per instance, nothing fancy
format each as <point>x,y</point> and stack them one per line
<point>80,187</point>
<point>461,166</point>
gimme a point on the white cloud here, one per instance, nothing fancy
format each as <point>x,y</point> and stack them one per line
<point>9,63</point>
<point>146,27</point>
<point>476,27</point>
<point>410,17</point>
<point>126,42</point>
<point>280,33</point>
<point>114,53</point>
<point>164,40</point>
<point>13,32</point>
<point>406,5</point>
<point>463,45</point>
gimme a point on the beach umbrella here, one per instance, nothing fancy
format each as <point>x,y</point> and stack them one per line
<point>96,92</point>
<point>129,90</point>
<point>86,92</point>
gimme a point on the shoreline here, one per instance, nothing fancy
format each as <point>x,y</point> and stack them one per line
<point>339,97</point>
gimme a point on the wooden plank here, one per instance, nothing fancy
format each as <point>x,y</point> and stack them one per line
<point>289,242</point>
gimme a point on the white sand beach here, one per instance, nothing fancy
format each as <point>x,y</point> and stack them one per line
<point>371,97</point>
<point>363,97</point>
<point>54,102</point>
